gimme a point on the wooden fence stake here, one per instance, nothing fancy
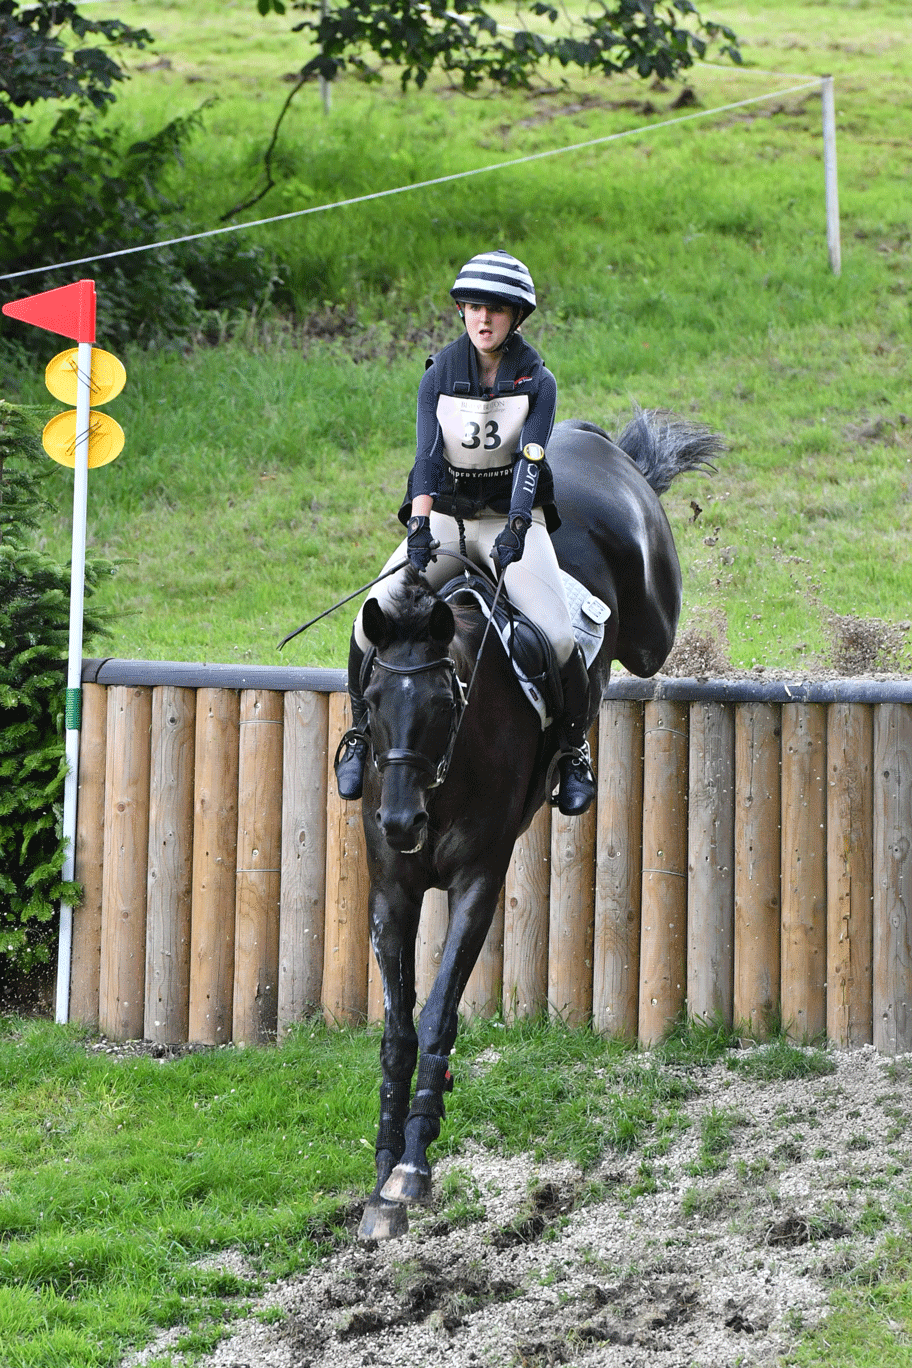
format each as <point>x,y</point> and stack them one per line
<point>804,910</point>
<point>619,871</point>
<point>170,881</point>
<point>126,846</point>
<point>571,931</point>
<point>302,912</point>
<point>663,946</point>
<point>85,969</point>
<point>215,829</point>
<point>346,945</point>
<point>757,866</point>
<point>484,991</point>
<point>893,887</point>
<point>711,862</point>
<point>526,891</point>
<point>850,856</point>
<point>432,929</point>
<point>259,855</point>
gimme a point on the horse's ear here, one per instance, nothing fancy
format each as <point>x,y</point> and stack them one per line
<point>373,620</point>
<point>442,624</point>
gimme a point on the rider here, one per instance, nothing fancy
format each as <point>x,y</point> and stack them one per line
<point>485,412</point>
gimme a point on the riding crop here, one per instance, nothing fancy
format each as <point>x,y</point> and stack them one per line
<point>348,598</point>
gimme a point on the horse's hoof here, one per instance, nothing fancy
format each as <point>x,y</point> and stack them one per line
<point>383,1220</point>
<point>408,1185</point>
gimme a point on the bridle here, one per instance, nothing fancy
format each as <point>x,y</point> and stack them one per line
<point>414,759</point>
<point>460,692</point>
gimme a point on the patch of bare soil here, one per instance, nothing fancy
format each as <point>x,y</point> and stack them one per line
<point>715,1264</point>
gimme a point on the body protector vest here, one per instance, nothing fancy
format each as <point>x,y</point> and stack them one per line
<point>480,434</point>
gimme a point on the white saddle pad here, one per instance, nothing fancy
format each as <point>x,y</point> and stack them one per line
<point>588,615</point>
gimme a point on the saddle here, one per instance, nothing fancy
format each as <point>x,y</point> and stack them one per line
<point>528,649</point>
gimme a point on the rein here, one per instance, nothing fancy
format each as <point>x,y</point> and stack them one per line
<point>461,695</point>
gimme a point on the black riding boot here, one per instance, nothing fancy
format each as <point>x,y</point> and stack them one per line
<point>352,752</point>
<point>577,782</point>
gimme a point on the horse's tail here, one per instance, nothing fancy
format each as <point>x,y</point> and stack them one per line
<point>663,445</point>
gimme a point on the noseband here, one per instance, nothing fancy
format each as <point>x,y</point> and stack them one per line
<point>415,759</point>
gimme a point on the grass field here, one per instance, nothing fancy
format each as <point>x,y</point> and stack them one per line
<point>684,267</point>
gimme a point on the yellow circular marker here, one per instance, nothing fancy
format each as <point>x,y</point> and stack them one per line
<point>62,376</point>
<point>106,439</point>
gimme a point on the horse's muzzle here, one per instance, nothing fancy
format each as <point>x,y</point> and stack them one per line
<point>405,831</point>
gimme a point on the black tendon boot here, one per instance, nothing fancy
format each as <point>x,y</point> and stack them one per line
<point>410,1180</point>
<point>577,782</point>
<point>352,752</point>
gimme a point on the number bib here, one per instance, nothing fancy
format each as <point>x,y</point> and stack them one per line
<point>481,434</point>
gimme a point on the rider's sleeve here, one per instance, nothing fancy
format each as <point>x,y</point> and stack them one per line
<point>542,408</point>
<point>428,469</point>
<point>536,429</point>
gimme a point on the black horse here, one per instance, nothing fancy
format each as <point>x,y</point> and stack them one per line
<point>451,787</point>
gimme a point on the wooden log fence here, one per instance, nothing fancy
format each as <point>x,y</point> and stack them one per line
<point>747,860</point>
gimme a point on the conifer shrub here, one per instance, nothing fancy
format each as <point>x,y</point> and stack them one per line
<point>34,629</point>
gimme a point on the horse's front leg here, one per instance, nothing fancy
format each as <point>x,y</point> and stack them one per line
<point>472,910</point>
<point>394,928</point>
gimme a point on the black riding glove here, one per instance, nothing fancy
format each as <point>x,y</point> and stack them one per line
<point>421,544</point>
<point>511,542</point>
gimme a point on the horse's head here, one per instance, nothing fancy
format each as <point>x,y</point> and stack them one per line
<point>415,702</point>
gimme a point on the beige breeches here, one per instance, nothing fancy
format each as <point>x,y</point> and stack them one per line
<point>533,584</point>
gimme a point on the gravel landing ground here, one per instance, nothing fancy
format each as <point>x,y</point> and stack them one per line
<point>542,1264</point>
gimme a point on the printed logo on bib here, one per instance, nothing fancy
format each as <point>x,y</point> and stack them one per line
<point>481,434</point>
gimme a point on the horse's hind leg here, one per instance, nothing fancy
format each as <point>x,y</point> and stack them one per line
<point>471,914</point>
<point>383,1219</point>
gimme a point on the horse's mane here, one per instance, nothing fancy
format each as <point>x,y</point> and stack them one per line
<point>410,610</point>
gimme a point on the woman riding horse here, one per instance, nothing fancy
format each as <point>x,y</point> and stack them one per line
<point>486,407</point>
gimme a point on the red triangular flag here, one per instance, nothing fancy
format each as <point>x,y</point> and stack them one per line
<point>70,310</point>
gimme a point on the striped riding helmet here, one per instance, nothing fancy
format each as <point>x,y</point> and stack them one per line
<point>495,278</point>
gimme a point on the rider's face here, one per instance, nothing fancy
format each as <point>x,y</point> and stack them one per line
<point>488,325</point>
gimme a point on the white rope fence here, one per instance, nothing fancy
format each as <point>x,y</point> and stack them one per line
<point>825,84</point>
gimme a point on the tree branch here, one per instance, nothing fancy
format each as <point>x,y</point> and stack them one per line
<point>267,155</point>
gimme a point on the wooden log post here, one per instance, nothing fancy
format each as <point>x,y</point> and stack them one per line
<point>711,862</point>
<point>345,957</point>
<point>663,945</point>
<point>259,867</point>
<point>571,932</point>
<point>215,826</point>
<point>302,911</point>
<point>85,968</point>
<point>850,874</point>
<point>526,891</point>
<point>123,912</point>
<point>432,929</point>
<point>804,910</point>
<point>169,884</point>
<point>619,871</point>
<point>483,994</point>
<point>757,866</point>
<point>893,885</point>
